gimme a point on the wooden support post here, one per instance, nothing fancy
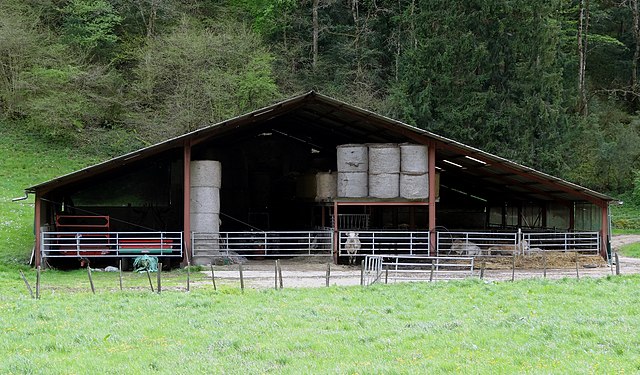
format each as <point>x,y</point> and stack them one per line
<point>544,264</point>
<point>617,264</point>
<point>241,277</point>
<point>38,233</point>
<point>328,274</point>
<point>186,202</point>
<point>362,273</point>
<point>513,267</point>
<point>213,276</point>
<point>280,275</point>
<point>431,161</point>
<point>386,274</point>
<point>93,290</point>
<point>577,272</point>
<point>482,270</point>
<point>120,272</point>
<point>150,283</point>
<point>159,278</point>
<point>38,282</point>
<point>26,283</point>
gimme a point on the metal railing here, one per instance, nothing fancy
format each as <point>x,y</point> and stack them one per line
<point>582,242</point>
<point>110,244</point>
<point>263,244</point>
<point>385,268</point>
<point>383,242</point>
<point>476,243</point>
<point>508,243</point>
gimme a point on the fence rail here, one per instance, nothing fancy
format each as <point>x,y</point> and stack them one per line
<point>508,243</point>
<point>263,244</point>
<point>383,242</point>
<point>416,268</point>
<point>110,244</point>
<point>582,242</point>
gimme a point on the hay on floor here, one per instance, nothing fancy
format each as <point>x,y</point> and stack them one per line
<point>536,261</point>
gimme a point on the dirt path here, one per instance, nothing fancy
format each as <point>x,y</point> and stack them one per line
<point>625,239</point>
<point>311,272</point>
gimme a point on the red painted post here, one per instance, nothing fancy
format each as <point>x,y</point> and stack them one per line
<point>432,198</point>
<point>336,237</point>
<point>187,201</point>
<point>604,229</point>
<point>37,225</point>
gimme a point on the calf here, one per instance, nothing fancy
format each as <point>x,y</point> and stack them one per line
<point>352,246</point>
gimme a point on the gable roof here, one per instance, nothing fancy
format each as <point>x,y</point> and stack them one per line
<point>323,121</point>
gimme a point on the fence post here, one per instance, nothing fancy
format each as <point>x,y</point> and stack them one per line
<point>241,277</point>
<point>617,264</point>
<point>431,273</point>
<point>544,264</point>
<point>120,272</point>
<point>189,276</point>
<point>386,274</point>
<point>275,276</point>
<point>159,278</point>
<point>513,267</point>
<point>213,276</point>
<point>280,274</point>
<point>93,290</point>
<point>577,272</point>
<point>27,283</point>
<point>328,274</point>
<point>362,273</point>
<point>482,270</point>
<point>38,282</point>
<point>150,283</point>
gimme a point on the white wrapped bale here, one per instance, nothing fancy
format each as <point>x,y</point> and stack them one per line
<point>352,185</point>
<point>353,158</point>
<point>414,158</point>
<point>414,186</point>
<point>326,185</point>
<point>384,158</point>
<point>385,185</point>
<point>206,173</point>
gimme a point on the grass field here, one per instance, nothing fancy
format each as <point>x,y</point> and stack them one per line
<point>632,250</point>
<point>535,326</point>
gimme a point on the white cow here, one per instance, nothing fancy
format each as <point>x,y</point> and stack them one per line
<point>352,246</point>
<point>467,248</point>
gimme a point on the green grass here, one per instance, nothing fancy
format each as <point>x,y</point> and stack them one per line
<point>26,160</point>
<point>631,250</point>
<point>566,326</point>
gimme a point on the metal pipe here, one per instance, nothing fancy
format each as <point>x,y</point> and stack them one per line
<point>20,198</point>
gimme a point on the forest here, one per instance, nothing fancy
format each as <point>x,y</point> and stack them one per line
<point>550,84</point>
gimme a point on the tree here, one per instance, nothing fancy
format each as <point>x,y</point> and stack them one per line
<point>198,75</point>
<point>89,26</point>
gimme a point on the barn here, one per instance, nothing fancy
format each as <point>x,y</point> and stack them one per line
<point>299,178</point>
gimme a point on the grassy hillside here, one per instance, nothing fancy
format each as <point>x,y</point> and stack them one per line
<point>26,160</point>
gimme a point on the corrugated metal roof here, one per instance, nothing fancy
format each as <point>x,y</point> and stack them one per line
<point>334,122</point>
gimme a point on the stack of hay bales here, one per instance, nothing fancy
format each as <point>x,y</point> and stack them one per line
<point>382,170</point>
<point>353,168</point>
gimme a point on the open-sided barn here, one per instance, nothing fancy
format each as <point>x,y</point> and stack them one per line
<point>305,177</point>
